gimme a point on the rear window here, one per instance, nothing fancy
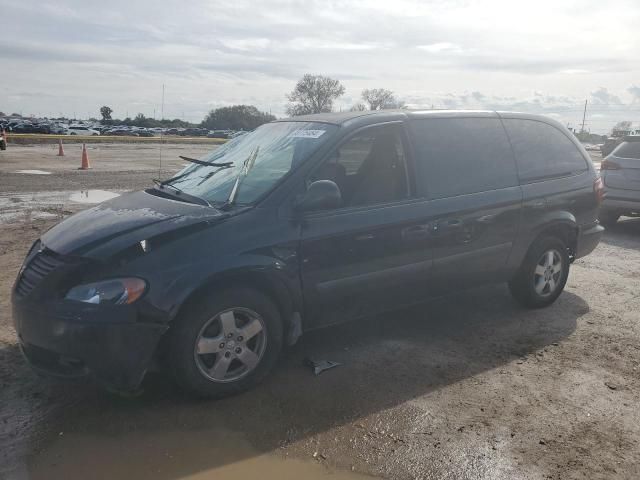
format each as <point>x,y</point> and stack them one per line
<point>457,156</point>
<point>542,151</point>
<point>628,150</point>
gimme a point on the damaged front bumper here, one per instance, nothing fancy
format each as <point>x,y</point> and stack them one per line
<point>106,343</point>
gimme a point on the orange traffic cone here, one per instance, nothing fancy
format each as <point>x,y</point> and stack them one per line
<point>60,149</point>
<point>85,159</point>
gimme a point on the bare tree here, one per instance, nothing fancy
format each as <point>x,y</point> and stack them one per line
<point>381,99</point>
<point>314,94</point>
<point>359,107</point>
<point>106,112</point>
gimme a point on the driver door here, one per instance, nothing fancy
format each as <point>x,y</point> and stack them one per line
<point>372,253</point>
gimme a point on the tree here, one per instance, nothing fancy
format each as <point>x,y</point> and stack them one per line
<point>314,94</point>
<point>622,126</point>
<point>236,117</point>
<point>106,112</point>
<point>380,99</point>
<point>358,107</point>
<point>141,121</point>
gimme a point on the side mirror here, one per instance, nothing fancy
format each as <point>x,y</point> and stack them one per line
<point>321,195</point>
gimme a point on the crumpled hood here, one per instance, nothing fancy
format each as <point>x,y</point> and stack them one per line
<point>116,224</point>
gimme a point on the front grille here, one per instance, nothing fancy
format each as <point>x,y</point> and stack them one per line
<point>40,265</point>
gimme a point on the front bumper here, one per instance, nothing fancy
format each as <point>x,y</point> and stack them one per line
<point>107,344</point>
<point>588,239</point>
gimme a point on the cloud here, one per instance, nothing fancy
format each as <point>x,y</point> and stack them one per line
<point>441,47</point>
<point>85,54</point>
<point>602,96</point>
<point>634,90</point>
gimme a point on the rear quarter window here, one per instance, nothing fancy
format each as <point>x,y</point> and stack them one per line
<point>458,156</point>
<point>542,151</point>
<point>628,150</point>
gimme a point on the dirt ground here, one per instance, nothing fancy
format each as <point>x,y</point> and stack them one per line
<point>470,386</point>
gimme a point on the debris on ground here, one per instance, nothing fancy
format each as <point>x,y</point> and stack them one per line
<point>320,366</point>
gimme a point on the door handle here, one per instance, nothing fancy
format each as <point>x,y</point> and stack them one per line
<point>416,232</point>
<point>454,225</point>
<point>486,219</point>
<point>364,237</point>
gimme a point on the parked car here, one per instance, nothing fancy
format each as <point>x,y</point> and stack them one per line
<point>194,132</point>
<point>58,129</point>
<point>144,133</point>
<point>301,224</point>
<point>610,145</point>
<point>23,127</point>
<point>219,134</point>
<point>122,132</point>
<point>81,130</point>
<point>620,172</point>
<point>237,134</point>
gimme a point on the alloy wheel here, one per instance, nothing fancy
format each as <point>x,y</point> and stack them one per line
<point>548,273</point>
<point>230,345</point>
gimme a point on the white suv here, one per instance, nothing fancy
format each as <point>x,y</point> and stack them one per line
<point>81,130</point>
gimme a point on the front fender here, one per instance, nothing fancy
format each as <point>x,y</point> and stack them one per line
<point>269,274</point>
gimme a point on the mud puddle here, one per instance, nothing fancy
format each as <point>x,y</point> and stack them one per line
<point>193,455</point>
<point>33,172</point>
<point>92,196</point>
<point>15,207</point>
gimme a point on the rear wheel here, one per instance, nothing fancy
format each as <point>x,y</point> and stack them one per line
<point>226,343</point>
<point>543,273</point>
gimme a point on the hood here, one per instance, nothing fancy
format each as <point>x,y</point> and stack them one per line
<point>116,224</point>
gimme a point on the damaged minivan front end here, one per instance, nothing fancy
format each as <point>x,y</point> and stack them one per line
<point>82,303</point>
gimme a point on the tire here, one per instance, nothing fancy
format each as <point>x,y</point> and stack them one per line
<point>535,285</point>
<point>209,356</point>
<point>3,146</point>
<point>608,218</point>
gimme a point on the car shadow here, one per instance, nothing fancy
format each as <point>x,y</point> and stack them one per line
<point>625,233</point>
<point>387,361</point>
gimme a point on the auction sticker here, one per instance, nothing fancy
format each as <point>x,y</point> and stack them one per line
<point>307,133</point>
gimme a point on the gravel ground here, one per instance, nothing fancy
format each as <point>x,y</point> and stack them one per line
<point>469,386</point>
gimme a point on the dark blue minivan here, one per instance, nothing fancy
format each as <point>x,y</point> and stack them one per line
<point>300,224</point>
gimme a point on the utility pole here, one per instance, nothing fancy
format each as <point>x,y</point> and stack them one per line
<point>584,116</point>
<point>161,131</point>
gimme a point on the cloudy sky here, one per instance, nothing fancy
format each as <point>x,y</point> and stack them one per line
<point>544,56</point>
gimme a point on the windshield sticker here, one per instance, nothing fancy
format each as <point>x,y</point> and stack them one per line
<point>306,133</point>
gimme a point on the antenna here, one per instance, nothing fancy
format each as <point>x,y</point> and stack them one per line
<point>161,132</point>
<point>584,115</point>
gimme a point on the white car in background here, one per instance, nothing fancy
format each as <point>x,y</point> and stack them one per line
<point>81,130</point>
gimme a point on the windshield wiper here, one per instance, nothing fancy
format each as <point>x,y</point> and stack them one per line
<point>246,166</point>
<point>205,163</point>
<point>221,166</point>
<point>179,193</point>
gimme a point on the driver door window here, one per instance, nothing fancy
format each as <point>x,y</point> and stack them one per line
<point>369,167</point>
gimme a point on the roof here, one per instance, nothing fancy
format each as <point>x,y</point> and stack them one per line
<point>339,118</point>
<point>365,117</point>
<point>336,118</point>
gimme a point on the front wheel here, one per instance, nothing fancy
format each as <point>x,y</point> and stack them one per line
<point>226,343</point>
<point>543,273</point>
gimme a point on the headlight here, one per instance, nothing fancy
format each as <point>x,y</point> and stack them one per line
<point>116,291</point>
